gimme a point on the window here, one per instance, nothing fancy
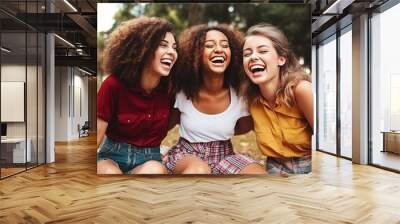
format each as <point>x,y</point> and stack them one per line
<point>385,89</point>
<point>346,92</point>
<point>327,95</point>
<point>22,67</point>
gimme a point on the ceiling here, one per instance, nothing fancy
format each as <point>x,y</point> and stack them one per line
<point>74,21</point>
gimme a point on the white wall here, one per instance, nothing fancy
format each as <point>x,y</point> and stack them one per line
<point>12,73</point>
<point>70,83</point>
<point>33,127</point>
<point>81,81</point>
<point>61,103</point>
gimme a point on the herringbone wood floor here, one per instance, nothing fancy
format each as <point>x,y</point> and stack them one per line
<point>69,191</point>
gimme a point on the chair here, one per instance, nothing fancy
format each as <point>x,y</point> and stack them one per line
<point>84,130</point>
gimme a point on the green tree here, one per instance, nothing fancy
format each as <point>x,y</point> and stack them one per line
<point>293,19</point>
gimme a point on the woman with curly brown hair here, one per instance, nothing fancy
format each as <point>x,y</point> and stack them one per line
<point>207,103</point>
<point>280,99</point>
<point>134,101</point>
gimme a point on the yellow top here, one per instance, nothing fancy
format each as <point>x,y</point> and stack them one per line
<point>281,131</point>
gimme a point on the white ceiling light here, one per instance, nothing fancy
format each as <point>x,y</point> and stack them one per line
<point>65,41</point>
<point>70,5</point>
<point>86,72</point>
<point>337,7</point>
<point>5,49</point>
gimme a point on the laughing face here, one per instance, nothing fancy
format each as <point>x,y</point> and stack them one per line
<point>217,53</point>
<point>165,55</point>
<point>261,62</point>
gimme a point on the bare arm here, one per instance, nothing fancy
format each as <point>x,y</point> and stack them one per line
<point>174,118</point>
<point>101,130</point>
<point>244,125</point>
<point>304,98</point>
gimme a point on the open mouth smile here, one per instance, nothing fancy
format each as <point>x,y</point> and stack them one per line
<point>167,62</point>
<point>257,68</point>
<point>218,60</point>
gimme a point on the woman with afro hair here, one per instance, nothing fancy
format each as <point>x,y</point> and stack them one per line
<point>134,101</point>
<point>207,105</point>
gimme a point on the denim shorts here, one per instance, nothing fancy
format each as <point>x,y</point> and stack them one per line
<point>127,156</point>
<point>291,165</point>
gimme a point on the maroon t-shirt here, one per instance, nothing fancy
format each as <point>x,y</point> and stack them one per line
<point>134,116</point>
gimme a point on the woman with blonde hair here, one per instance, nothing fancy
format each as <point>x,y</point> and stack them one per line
<point>280,99</point>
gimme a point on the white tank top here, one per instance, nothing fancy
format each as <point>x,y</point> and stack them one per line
<point>196,126</point>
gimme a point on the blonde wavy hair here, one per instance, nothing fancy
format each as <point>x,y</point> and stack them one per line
<point>290,74</point>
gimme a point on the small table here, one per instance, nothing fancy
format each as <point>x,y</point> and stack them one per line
<point>16,148</point>
<point>391,141</point>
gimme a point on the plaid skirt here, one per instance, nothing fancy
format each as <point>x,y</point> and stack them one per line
<point>291,165</point>
<point>219,156</point>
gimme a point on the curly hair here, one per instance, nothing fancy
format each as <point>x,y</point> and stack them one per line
<point>290,74</point>
<point>131,45</point>
<point>188,75</point>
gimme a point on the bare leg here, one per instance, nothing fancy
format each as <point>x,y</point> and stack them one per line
<point>108,167</point>
<point>253,168</point>
<point>149,167</point>
<point>191,165</point>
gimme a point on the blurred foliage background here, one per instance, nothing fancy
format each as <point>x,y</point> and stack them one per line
<point>293,19</point>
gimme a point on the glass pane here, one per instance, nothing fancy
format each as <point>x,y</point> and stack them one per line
<point>13,86</point>
<point>41,99</point>
<point>31,97</point>
<point>385,86</point>
<point>327,96</point>
<point>346,94</point>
